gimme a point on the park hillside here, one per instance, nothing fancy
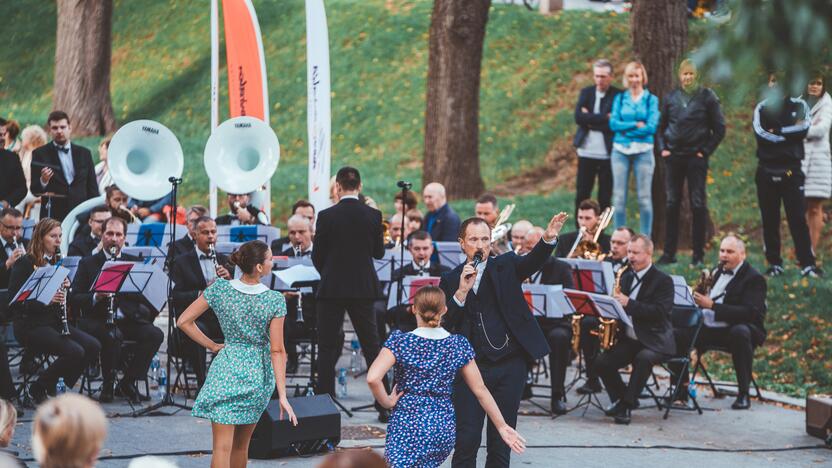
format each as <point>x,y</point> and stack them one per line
<point>533,68</point>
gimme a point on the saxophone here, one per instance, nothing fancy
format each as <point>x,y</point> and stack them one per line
<point>706,280</point>
<point>608,328</point>
<point>576,333</point>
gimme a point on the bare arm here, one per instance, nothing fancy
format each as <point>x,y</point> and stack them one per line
<point>278,353</point>
<point>473,378</point>
<point>187,325</point>
<point>384,361</point>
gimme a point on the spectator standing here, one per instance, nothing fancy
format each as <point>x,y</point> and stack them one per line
<point>102,169</point>
<point>817,166</point>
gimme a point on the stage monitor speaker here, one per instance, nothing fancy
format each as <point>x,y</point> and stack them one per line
<point>819,416</point>
<point>318,429</point>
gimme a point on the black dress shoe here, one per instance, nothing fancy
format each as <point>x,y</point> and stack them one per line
<point>614,408</point>
<point>591,386</point>
<point>559,407</point>
<point>384,416</point>
<point>126,390</point>
<point>623,415</point>
<point>742,402</point>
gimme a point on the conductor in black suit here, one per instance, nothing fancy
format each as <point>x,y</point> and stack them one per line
<point>348,236</point>
<point>647,297</point>
<point>420,246</point>
<point>65,169</point>
<point>191,273</point>
<point>486,304</point>
<point>12,180</point>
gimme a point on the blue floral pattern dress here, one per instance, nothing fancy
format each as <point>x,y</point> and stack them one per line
<point>422,428</point>
<point>241,381</point>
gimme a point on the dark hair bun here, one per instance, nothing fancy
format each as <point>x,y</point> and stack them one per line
<point>249,255</point>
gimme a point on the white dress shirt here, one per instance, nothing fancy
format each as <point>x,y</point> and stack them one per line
<point>207,265</point>
<point>66,162</point>
<point>718,295</point>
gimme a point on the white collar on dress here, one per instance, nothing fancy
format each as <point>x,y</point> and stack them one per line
<point>431,333</point>
<point>248,288</point>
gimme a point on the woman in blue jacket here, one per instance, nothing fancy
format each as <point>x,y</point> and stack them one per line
<point>634,119</point>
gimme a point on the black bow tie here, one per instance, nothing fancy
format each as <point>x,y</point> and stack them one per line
<point>62,149</point>
<point>204,257</point>
<point>727,273</point>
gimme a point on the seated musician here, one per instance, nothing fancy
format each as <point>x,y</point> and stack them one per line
<point>39,327</point>
<point>518,234</point>
<point>12,244</point>
<point>487,209</point>
<point>647,297</point>
<point>300,245</point>
<point>558,331</point>
<point>301,207</point>
<point>589,213</point>
<point>89,243</point>
<point>185,244</point>
<point>420,246</point>
<point>151,211</point>
<point>618,247</point>
<point>191,273</point>
<point>116,200</point>
<point>396,231</point>
<point>735,311</point>
<point>241,212</point>
<point>132,318</point>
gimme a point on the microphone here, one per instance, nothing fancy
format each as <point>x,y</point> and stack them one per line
<point>475,263</point>
<point>404,184</point>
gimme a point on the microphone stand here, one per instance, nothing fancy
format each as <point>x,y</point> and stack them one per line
<point>167,399</point>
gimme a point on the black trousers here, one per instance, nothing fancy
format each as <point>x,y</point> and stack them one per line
<point>7,390</point>
<point>75,352</point>
<point>788,189</point>
<point>737,339</point>
<point>505,380</point>
<point>331,336</point>
<point>559,335</point>
<point>625,352</point>
<point>588,170</point>
<point>695,170</point>
<point>148,339</point>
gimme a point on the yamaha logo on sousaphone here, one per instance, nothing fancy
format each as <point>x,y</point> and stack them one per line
<point>152,130</point>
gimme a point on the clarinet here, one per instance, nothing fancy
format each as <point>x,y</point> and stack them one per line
<point>64,315</point>
<point>111,306</point>
<point>212,254</point>
<point>299,318</point>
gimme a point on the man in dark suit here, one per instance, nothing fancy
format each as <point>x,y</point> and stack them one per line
<point>303,208</point>
<point>735,311</point>
<point>589,217</point>
<point>62,168</point>
<point>12,180</point>
<point>593,140</point>
<point>486,304</point>
<point>347,238</point>
<point>420,246</point>
<point>619,240</point>
<point>241,212</point>
<point>13,244</point>
<point>191,273</point>
<point>441,222</point>
<point>132,317</point>
<point>647,297</point>
<point>85,245</point>
<point>300,245</point>
<point>185,243</point>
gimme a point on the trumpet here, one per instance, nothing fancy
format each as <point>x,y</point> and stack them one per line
<point>63,312</point>
<point>133,218</point>
<point>590,249</point>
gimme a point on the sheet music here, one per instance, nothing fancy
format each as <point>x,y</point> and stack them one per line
<point>681,292</point>
<point>547,300</point>
<point>145,278</point>
<point>391,261</point>
<point>71,264</point>
<point>295,274</point>
<point>450,253</point>
<point>410,284</point>
<point>42,285</point>
<point>600,273</point>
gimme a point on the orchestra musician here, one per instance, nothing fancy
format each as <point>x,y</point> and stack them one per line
<point>734,311</point>
<point>619,240</point>
<point>301,207</point>
<point>39,327</point>
<point>87,244</point>
<point>132,317</point>
<point>300,245</point>
<point>486,304</point>
<point>241,212</point>
<point>12,179</point>
<point>191,273</point>
<point>420,246</point>
<point>13,243</point>
<point>185,243</point>
<point>589,212</point>
<point>646,294</point>
<point>487,209</point>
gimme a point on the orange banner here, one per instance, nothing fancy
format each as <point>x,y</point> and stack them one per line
<point>247,93</point>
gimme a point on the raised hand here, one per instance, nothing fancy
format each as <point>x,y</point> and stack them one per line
<point>555,225</point>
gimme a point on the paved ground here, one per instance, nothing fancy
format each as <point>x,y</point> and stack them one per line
<point>720,437</point>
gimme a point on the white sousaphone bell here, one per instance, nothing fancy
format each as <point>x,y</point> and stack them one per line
<point>241,155</point>
<point>142,156</point>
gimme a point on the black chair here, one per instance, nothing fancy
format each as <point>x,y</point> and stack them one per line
<point>685,318</point>
<point>700,364</point>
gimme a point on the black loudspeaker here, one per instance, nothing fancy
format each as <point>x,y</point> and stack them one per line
<point>819,416</point>
<point>319,428</point>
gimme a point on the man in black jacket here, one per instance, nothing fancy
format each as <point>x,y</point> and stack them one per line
<point>63,169</point>
<point>86,244</point>
<point>303,208</point>
<point>486,304</point>
<point>186,243</point>
<point>132,317</point>
<point>191,273</point>
<point>13,244</point>
<point>593,140</point>
<point>780,129</point>
<point>12,180</point>
<point>420,245</point>
<point>735,311</point>
<point>589,212</point>
<point>300,245</point>
<point>241,212</point>
<point>348,236</point>
<point>441,221</point>
<point>647,297</point>
<point>691,128</point>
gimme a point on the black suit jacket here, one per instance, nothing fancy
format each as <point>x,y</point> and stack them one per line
<point>4,273</point>
<point>82,246</point>
<point>555,271</point>
<point>651,309</point>
<point>347,238</point>
<point>133,305</point>
<point>590,121</point>
<point>12,179</point>
<point>745,302</point>
<point>446,226</point>
<point>567,240</point>
<point>436,269</point>
<point>84,185</point>
<point>189,281</point>
<point>507,273</point>
<point>182,246</point>
<point>30,313</point>
<point>279,245</point>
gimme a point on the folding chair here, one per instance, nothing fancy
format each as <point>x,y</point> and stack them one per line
<point>700,364</point>
<point>684,318</point>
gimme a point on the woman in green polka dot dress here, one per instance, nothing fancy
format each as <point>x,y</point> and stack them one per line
<point>241,379</point>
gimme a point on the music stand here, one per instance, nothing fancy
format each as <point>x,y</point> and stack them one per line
<point>28,228</point>
<point>583,303</point>
<point>71,264</point>
<point>591,275</point>
<point>42,285</point>
<point>450,253</point>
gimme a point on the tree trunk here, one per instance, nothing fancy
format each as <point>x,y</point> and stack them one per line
<point>82,65</point>
<point>660,32</point>
<point>457,33</point>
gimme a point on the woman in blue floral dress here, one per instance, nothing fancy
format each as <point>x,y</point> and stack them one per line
<point>241,379</point>
<point>422,427</point>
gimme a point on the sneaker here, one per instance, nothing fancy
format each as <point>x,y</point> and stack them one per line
<point>775,270</point>
<point>811,272</point>
<point>666,259</point>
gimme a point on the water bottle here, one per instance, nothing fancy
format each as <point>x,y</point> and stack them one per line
<point>60,388</point>
<point>155,365</point>
<point>342,383</point>
<point>355,357</point>
<point>692,389</point>
<point>163,383</point>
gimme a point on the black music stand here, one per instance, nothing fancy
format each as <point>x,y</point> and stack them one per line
<point>42,285</point>
<point>583,304</point>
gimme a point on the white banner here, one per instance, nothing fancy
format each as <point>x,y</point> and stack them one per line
<point>317,103</point>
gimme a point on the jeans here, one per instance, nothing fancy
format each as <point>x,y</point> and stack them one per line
<point>642,164</point>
